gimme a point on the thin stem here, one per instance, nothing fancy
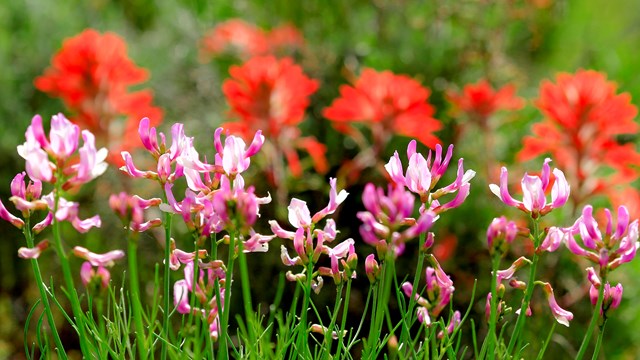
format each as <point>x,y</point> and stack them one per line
<point>404,334</point>
<point>303,334</point>
<point>167,280</point>
<point>223,351</point>
<point>381,304</point>
<point>343,321</point>
<point>68,278</point>
<point>515,336</point>
<point>546,342</point>
<point>596,351</point>
<point>134,283</point>
<point>493,317</point>
<point>594,320</point>
<point>328,335</point>
<point>246,297</point>
<point>26,230</point>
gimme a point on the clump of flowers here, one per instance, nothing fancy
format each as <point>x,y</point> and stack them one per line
<point>92,74</point>
<point>246,40</point>
<point>271,95</point>
<point>583,118</point>
<point>480,101</point>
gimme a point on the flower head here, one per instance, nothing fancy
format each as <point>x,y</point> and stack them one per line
<point>615,245</point>
<point>389,103</point>
<point>481,100</point>
<point>562,316</point>
<point>92,73</point>
<point>534,189</point>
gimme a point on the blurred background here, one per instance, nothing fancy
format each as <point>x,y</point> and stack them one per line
<point>443,44</point>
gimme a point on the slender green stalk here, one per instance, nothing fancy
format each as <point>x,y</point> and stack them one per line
<point>303,333</point>
<point>167,281</point>
<point>328,335</point>
<point>594,320</point>
<point>26,230</point>
<point>246,297</point>
<point>134,283</point>
<point>223,351</point>
<point>381,302</point>
<point>528,293</point>
<point>68,278</point>
<point>596,350</point>
<point>493,316</point>
<point>404,334</point>
<point>343,321</point>
<point>546,342</point>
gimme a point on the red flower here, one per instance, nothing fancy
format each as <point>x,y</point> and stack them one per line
<point>247,40</point>
<point>272,95</point>
<point>583,116</point>
<point>480,100</point>
<point>389,103</point>
<point>91,74</point>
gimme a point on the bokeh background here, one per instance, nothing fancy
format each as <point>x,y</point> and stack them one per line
<point>444,44</point>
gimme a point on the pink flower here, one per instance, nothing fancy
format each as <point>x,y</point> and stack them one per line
<point>388,218</point>
<point>106,259</point>
<point>439,291</point>
<point>534,187</point>
<point>501,231</point>
<point>6,215</point>
<point>508,273</point>
<point>68,210</point>
<point>372,269</point>
<point>92,162</point>
<point>234,156</point>
<point>422,176</point>
<point>562,316</point>
<point>89,274</point>
<point>609,250</point>
<point>555,236</point>
<point>33,253</point>
<point>130,210</point>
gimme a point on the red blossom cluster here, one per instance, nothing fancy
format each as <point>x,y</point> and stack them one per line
<point>583,119</point>
<point>91,74</point>
<point>272,95</point>
<point>390,104</point>
<point>247,40</point>
<point>480,100</point>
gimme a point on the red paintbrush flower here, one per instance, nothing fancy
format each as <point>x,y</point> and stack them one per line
<point>91,74</point>
<point>388,103</point>
<point>583,116</point>
<point>479,101</point>
<point>247,40</point>
<point>272,95</point>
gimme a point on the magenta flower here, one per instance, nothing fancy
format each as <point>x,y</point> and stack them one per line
<point>106,259</point>
<point>534,201</point>
<point>130,209</point>
<point>509,272</point>
<point>68,210</point>
<point>234,156</point>
<point>44,156</point>
<point>6,215</point>
<point>500,233</point>
<point>371,268</point>
<point>33,253</point>
<point>439,291</point>
<point>204,291</point>
<point>388,220</point>
<point>422,176</point>
<point>89,275</point>
<point>562,316</point>
<point>617,246</point>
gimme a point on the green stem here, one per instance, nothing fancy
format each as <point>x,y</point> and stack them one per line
<point>515,336</point>
<point>303,333</point>
<point>493,317</point>
<point>381,304</point>
<point>223,351</point>
<point>246,297</point>
<point>26,230</point>
<point>404,334</point>
<point>134,283</point>
<point>596,351</point>
<point>594,320</point>
<point>328,335</point>
<point>546,342</point>
<point>68,278</point>
<point>343,321</point>
<point>167,280</point>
